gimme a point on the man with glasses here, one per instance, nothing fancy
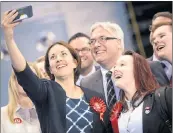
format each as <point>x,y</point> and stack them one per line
<point>80,42</point>
<point>107,45</point>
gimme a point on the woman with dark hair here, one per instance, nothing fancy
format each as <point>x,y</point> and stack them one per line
<point>139,96</point>
<point>62,107</point>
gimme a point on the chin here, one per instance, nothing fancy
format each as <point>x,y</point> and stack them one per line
<point>162,56</point>
<point>118,84</point>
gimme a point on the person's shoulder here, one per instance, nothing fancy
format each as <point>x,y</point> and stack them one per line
<point>97,74</point>
<point>154,63</point>
<point>92,93</point>
<point>4,111</point>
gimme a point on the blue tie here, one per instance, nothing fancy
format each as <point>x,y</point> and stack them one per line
<point>111,96</point>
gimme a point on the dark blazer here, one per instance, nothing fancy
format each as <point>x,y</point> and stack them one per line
<point>50,102</point>
<point>159,73</point>
<point>152,122</point>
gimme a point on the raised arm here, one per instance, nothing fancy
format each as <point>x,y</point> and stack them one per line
<point>17,59</point>
<point>32,85</point>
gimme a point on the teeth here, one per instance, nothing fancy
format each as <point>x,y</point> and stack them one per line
<point>60,66</point>
<point>159,48</point>
<point>117,75</point>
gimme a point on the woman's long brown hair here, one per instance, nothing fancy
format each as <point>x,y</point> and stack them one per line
<point>145,82</point>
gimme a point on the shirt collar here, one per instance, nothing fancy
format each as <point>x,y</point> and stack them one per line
<point>20,108</point>
<point>103,71</point>
<point>27,114</point>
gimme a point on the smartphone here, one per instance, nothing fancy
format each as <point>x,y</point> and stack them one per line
<point>23,13</point>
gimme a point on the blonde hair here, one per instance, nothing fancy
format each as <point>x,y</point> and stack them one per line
<point>40,59</point>
<point>13,93</point>
<point>112,28</point>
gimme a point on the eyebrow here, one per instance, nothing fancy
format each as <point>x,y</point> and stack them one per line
<point>157,35</point>
<point>98,37</point>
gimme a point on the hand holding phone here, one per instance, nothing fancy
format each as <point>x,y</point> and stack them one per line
<point>23,13</point>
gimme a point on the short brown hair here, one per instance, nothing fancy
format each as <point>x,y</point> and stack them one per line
<point>154,27</point>
<point>145,82</point>
<point>162,14</point>
<point>74,55</point>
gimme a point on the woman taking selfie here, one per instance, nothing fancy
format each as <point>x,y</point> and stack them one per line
<point>62,107</point>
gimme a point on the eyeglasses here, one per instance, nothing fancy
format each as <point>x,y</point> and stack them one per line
<point>83,50</point>
<point>101,40</point>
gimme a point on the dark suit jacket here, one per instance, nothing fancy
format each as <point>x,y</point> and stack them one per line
<point>152,122</point>
<point>50,102</point>
<point>94,82</point>
<point>159,73</point>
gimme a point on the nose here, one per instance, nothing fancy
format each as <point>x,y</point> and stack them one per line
<point>80,53</point>
<point>156,42</point>
<point>97,44</point>
<point>58,58</point>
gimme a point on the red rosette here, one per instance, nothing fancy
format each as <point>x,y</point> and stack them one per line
<point>116,110</point>
<point>98,105</point>
<point>115,113</point>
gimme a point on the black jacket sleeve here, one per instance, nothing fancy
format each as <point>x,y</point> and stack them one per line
<point>35,88</point>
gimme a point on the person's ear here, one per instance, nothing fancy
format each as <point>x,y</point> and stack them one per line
<point>119,44</point>
<point>75,63</point>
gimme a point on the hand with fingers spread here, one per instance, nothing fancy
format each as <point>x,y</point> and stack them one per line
<point>7,23</point>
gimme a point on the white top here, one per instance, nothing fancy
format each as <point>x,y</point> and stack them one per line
<point>117,90</point>
<point>81,77</point>
<point>131,121</point>
<point>26,121</point>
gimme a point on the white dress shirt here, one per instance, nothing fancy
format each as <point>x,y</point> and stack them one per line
<point>117,90</point>
<point>131,121</point>
<point>81,77</point>
<point>29,121</point>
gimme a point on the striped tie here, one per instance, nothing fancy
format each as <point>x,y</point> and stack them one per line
<point>111,97</point>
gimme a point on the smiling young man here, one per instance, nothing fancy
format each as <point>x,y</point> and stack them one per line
<point>80,42</point>
<point>159,17</point>
<point>161,39</point>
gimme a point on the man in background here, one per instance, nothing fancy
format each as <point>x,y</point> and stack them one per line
<point>80,42</point>
<point>158,18</point>
<point>161,40</point>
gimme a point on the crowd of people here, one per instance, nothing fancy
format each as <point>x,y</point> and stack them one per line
<point>54,93</point>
